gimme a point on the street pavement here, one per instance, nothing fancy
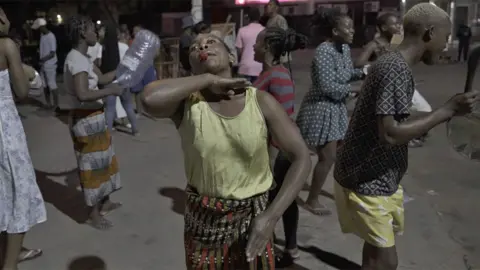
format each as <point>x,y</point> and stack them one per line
<point>441,222</point>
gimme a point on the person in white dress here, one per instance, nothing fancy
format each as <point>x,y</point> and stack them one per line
<point>22,204</point>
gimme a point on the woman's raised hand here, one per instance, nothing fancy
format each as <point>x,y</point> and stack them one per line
<point>227,86</point>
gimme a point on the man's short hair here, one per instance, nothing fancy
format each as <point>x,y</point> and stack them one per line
<point>276,2</point>
<point>422,16</point>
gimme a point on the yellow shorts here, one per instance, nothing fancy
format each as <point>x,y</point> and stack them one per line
<point>375,219</point>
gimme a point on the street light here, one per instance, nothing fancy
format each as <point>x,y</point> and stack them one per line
<point>99,22</point>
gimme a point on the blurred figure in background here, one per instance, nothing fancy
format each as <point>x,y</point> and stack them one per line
<point>202,28</point>
<point>388,25</point>
<point>124,35</point>
<point>48,61</point>
<point>276,20</point>
<point>137,28</point>
<point>246,38</point>
<point>95,52</point>
<point>464,35</point>
<point>186,39</point>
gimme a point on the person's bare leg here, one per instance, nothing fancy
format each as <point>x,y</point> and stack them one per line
<point>14,246</point>
<point>326,159</point>
<point>375,258</point>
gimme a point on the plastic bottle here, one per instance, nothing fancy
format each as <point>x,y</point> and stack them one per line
<point>138,58</point>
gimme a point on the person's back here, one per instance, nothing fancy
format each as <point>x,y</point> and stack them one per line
<point>247,36</point>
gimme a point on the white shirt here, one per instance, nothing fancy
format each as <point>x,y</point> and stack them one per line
<point>48,44</point>
<point>95,52</point>
<point>122,49</point>
<point>75,63</point>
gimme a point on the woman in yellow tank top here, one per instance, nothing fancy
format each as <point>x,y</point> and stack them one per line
<point>224,125</point>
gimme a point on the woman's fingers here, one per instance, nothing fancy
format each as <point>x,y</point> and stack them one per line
<point>256,244</point>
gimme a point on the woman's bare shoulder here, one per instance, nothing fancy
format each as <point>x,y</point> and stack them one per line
<point>7,48</point>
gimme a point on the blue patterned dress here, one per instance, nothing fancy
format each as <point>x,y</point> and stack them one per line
<point>21,203</point>
<point>322,117</point>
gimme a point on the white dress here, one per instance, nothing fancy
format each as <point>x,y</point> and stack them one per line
<point>21,203</point>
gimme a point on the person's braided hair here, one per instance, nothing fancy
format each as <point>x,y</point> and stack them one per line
<point>326,19</point>
<point>75,26</point>
<point>281,42</point>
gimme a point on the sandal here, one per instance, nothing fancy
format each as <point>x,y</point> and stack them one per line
<point>29,254</point>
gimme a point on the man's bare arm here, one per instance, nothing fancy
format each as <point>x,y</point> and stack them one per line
<point>398,133</point>
<point>394,132</point>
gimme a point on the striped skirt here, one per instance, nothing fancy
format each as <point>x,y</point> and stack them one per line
<point>99,176</point>
<point>216,232</point>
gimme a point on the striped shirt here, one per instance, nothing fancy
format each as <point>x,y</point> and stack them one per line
<point>279,84</point>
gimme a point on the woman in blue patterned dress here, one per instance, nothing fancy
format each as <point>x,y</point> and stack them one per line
<point>322,117</point>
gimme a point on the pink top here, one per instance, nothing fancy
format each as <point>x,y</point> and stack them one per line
<point>246,38</point>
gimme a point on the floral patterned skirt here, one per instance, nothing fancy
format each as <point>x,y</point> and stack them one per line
<point>216,232</point>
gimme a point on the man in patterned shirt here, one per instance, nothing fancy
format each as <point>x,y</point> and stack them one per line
<point>373,158</point>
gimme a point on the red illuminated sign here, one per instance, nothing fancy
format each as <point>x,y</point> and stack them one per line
<point>246,2</point>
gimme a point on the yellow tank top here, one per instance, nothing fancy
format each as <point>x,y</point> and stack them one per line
<point>226,157</point>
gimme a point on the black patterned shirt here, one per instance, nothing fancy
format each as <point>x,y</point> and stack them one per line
<point>365,164</point>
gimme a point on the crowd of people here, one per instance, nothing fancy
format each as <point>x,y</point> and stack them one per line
<point>246,158</point>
